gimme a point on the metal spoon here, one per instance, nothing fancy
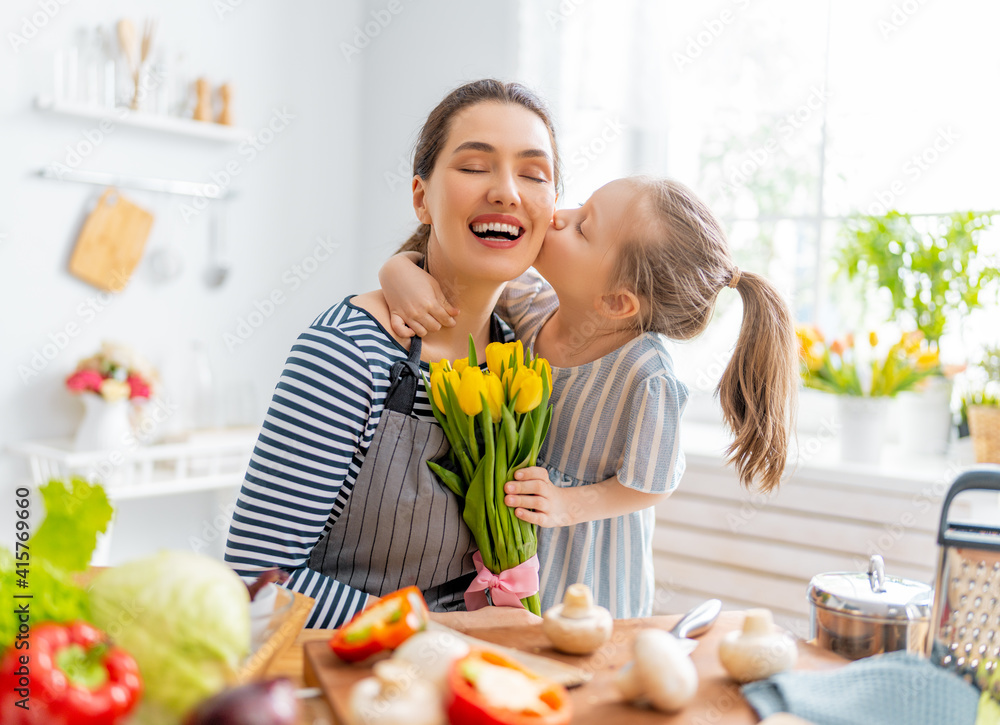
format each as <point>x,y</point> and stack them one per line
<point>218,270</point>
<point>696,622</point>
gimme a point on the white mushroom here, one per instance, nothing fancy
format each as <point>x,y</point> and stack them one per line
<point>396,695</point>
<point>577,626</point>
<point>432,653</point>
<point>758,651</point>
<point>661,672</point>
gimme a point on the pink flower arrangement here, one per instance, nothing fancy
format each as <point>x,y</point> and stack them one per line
<point>115,373</point>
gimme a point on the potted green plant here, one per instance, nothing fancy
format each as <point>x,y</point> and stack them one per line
<point>864,381</point>
<point>932,268</point>
<point>982,404</point>
<point>933,272</point>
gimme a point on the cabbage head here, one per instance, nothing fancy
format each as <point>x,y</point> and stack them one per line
<point>184,617</point>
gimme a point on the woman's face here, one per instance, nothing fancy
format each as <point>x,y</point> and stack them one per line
<point>491,195</point>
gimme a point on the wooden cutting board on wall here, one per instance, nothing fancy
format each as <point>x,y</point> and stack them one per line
<point>111,242</point>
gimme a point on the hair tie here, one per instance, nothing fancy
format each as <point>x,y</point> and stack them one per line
<point>735,279</point>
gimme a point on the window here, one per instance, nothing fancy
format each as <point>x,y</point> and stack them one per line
<point>785,116</point>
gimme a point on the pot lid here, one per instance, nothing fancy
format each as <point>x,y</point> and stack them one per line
<point>871,594</point>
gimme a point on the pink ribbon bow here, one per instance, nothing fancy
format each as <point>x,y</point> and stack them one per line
<point>507,588</point>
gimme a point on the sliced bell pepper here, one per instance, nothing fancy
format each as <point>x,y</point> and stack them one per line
<point>71,676</point>
<point>486,688</point>
<point>381,626</point>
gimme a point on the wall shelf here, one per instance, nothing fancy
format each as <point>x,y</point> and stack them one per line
<point>184,127</point>
<point>207,460</point>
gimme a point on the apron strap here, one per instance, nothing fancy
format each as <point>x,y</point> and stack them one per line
<point>404,376</point>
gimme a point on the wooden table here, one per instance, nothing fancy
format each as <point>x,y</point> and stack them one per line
<point>718,700</point>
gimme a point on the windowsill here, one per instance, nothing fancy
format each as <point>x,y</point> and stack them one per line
<point>704,445</point>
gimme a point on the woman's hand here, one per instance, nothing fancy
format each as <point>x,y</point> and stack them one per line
<point>536,500</point>
<point>416,303</point>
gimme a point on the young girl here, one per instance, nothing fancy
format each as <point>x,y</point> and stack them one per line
<point>641,261</point>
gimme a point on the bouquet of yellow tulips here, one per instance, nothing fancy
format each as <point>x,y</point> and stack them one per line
<point>495,422</point>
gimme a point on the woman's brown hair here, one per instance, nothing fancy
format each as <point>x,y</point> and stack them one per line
<point>434,134</point>
<point>677,266</point>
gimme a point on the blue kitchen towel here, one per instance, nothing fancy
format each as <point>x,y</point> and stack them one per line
<point>890,689</point>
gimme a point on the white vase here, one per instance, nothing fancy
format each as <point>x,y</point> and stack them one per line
<point>105,424</point>
<point>924,418</point>
<point>862,428</point>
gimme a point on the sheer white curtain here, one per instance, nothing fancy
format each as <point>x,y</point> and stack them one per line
<point>783,115</point>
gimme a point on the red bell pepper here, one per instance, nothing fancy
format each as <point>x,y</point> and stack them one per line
<point>486,688</point>
<point>71,676</point>
<point>381,626</point>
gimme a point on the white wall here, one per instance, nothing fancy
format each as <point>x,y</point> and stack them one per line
<point>302,185</point>
<point>357,112</point>
<point>428,49</point>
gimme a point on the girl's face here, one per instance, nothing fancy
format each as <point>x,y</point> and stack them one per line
<point>581,246</point>
<point>491,195</point>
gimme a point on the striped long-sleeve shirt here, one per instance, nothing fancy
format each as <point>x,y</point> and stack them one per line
<point>615,416</point>
<point>324,412</point>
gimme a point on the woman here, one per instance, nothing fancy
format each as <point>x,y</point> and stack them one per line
<point>337,492</point>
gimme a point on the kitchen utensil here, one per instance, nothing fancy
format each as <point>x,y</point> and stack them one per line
<point>698,620</point>
<point>128,43</point>
<point>146,49</point>
<point>859,614</point>
<point>218,268</point>
<point>554,670</point>
<point>111,242</point>
<point>965,624</point>
<point>165,261</point>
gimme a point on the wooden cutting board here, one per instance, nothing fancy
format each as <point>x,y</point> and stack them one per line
<point>111,242</point>
<point>598,702</point>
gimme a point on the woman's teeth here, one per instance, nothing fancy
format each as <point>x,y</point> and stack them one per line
<point>510,229</point>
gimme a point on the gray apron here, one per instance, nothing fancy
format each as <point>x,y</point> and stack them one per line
<point>401,526</point>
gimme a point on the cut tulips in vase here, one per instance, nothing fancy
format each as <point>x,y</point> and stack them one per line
<point>495,421</point>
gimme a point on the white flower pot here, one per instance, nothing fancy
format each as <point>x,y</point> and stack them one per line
<point>923,418</point>
<point>105,425</point>
<point>862,428</point>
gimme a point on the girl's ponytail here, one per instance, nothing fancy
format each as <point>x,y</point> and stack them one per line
<point>759,386</point>
<point>417,241</point>
<point>678,267</point>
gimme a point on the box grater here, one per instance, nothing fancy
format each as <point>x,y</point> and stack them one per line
<point>965,620</point>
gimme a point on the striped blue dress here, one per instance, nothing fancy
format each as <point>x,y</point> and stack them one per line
<point>323,414</point>
<point>615,416</point>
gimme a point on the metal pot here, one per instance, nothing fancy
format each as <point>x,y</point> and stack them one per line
<point>858,614</point>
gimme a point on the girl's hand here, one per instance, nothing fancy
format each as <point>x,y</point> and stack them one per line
<point>416,303</point>
<point>536,500</point>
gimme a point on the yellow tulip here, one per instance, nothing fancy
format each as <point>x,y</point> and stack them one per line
<point>497,357</point>
<point>813,360</point>
<point>470,390</point>
<point>452,380</point>
<point>461,364</point>
<point>527,385</point>
<point>541,365</point>
<point>927,360</point>
<point>440,366</point>
<point>437,389</point>
<point>872,339</point>
<point>508,381</point>
<point>911,341</point>
<point>494,396</point>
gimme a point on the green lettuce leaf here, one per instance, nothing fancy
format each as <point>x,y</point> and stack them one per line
<point>59,548</point>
